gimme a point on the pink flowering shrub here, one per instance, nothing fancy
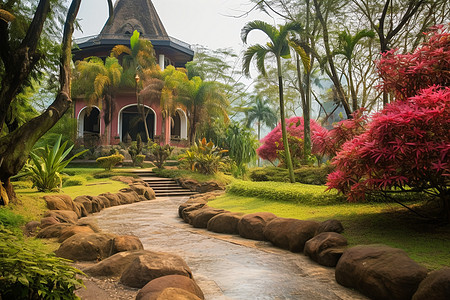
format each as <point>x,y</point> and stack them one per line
<point>407,145</point>
<point>272,144</point>
<point>404,75</point>
<point>329,142</point>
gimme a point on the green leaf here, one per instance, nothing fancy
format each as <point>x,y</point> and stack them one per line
<point>134,40</point>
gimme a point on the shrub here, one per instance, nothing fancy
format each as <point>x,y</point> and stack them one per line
<point>45,169</point>
<point>159,154</point>
<point>305,174</point>
<point>28,273</point>
<point>203,157</point>
<point>283,191</point>
<point>74,181</point>
<point>406,148</point>
<point>272,144</point>
<point>135,150</point>
<point>108,162</point>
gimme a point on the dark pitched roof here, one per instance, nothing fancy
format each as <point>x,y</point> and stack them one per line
<point>140,15</point>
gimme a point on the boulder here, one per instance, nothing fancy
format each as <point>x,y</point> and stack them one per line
<point>435,286</point>
<point>63,216</point>
<point>143,190</point>
<point>80,210</point>
<point>150,266</point>
<point>154,288</point>
<point>59,202</point>
<point>31,228</point>
<point>330,226</point>
<point>92,223</point>
<point>379,272</point>
<point>52,231</point>
<point>252,226</point>
<point>72,230</point>
<point>189,210</point>
<point>175,293</point>
<point>85,201</point>
<point>209,186</point>
<point>124,179</point>
<point>113,198</point>
<point>326,248</point>
<point>104,201</point>
<point>48,221</point>
<point>290,234</point>
<point>124,243</point>
<point>114,265</point>
<point>225,223</point>
<point>86,247</point>
<point>202,216</point>
<point>128,197</point>
<point>199,203</point>
<point>97,204</point>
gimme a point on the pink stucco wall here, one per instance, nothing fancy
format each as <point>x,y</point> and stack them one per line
<point>122,100</point>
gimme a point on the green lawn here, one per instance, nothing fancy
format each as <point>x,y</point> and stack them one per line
<point>364,223</point>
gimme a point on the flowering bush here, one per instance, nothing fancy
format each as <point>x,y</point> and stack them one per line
<point>272,145</point>
<point>406,146</point>
<point>329,142</point>
<point>405,75</point>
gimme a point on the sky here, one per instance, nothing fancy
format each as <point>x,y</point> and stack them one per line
<point>210,23</point>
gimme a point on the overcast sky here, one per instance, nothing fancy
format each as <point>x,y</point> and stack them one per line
<point>210,23</point>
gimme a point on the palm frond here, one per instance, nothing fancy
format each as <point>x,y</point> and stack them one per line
<point>268,29</point>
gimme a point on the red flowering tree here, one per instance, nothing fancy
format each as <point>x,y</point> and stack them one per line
<point>329,142</point>
<point>403,75</point>
<point>272,145</point>
<point>406,147</point>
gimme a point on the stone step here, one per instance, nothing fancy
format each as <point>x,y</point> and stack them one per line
<point>174,193</point>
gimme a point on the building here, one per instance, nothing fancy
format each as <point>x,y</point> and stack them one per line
<point>131,15</point>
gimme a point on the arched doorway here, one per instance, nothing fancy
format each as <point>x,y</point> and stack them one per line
<point>130,123</point>
<point>89,125</point>
<point>178,129</point>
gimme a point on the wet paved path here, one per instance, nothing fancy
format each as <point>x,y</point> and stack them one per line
<point>224,266</point>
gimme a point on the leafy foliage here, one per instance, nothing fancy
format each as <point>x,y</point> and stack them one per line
<point>329,142</point>
<point>272,142</point>
<point>28,273</point>
<point>203,157</point>
<point>108,162</point>
<point>159,154</point>
<point>45,169</point>
<point>305,174</point>
<point>405,75</point>
<point>135,150</point>
<point>405,145</point>
<point>282,191</point>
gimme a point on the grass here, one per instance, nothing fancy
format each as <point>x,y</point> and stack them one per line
<point>364,223</point>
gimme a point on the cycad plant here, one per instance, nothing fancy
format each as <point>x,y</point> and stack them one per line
<point>46,169</point>
<point>204,157</point>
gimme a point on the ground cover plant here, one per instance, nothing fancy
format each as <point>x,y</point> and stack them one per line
<point>365,223</point>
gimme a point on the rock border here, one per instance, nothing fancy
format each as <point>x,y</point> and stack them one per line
<point>376,271</point>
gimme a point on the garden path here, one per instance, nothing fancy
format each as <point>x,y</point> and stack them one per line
<point>224,266</point>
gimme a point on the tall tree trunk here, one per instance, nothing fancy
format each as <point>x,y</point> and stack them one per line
<point>334,78</point>
<point>352,87</point>
<point>16,146</point>
<point>259,138</point>
<point>287,151</point>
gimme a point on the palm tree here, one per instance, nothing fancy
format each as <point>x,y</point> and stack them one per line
<point>261,112</point>
<point>278,47</point>
<point>97,81</point>
<point>347,46</point>
<point>203,100</point>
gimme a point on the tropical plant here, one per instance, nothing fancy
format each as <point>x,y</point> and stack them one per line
<point>241,145</point>
<point>29,273</point>
<point>159,154</point>
<point>97,82</point>
<point>203,157</point>
<point>135,149</point>
<point>203,100</point>
<point>260,112</point>
<point>45,169</point>
<point>278,46</point>
<point>347,44</point>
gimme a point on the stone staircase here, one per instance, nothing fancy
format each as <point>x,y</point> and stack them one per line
<point>163,187</point>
